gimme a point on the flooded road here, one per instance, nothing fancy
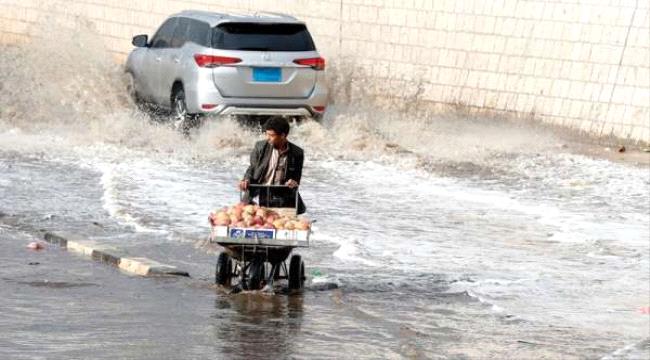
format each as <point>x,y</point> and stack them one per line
<point>447,237</point>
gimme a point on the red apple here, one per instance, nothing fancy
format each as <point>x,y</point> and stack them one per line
<point>302,225</point>
<point>222,222</point>
<point>222,215</point>
<point>249,209</point>
<point>261,212</point>
<point>278,224</point>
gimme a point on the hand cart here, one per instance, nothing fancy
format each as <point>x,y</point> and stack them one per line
<point>254,258</point>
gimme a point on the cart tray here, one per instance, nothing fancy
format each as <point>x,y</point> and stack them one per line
<point>224,235</point>
<point>225,241</point>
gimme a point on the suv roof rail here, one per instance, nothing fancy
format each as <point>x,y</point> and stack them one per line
<point>276,14</point>
<point>215,17</point>
<point>202,12</point>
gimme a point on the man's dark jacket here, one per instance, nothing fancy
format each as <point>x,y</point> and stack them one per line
<point>260,158</point>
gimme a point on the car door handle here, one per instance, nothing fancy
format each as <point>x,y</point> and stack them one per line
<point>159,59</point>
<point>177,60</point>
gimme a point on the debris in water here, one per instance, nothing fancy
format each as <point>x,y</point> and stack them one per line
<point>645,310</point>
<point>527,342</point>
<point>55,284</point>
<point>36,245</point>
<point>323,286</point>
<point>316,272</point>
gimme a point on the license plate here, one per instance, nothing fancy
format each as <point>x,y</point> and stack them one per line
<point>267,74</point>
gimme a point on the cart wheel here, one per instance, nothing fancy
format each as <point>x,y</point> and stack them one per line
<point>296,273</point>
<point>223,272</point>
<point>256,275</point>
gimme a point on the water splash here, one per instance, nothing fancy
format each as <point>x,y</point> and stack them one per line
<point>63,86</point>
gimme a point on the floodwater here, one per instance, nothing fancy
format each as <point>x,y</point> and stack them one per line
<point>446,236</point>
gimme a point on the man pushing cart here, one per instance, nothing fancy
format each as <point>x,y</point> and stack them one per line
<point>258,238</point>
<point>275,161</point>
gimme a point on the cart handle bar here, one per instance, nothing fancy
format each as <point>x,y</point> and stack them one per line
<point>295,191</point>
<point>269,186</point>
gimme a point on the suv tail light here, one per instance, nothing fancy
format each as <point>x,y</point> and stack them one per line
<point>211,61</point>
<point>315,63</point>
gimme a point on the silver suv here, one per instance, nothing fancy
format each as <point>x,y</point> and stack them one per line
<point>211,63</point>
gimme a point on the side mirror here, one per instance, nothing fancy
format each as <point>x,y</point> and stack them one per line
<point>140,41</point>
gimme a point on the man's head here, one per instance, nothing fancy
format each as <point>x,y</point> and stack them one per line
<point>277,129</point>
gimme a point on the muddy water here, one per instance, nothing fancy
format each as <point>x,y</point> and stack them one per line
<point>447,236</point>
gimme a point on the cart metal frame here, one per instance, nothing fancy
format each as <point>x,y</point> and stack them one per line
<point>250,256</point>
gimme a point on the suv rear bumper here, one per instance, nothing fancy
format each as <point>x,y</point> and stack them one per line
<point>256,110</point>
<point>195,100</point>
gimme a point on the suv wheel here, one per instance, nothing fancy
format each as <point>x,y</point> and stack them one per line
<point>182,121</point>
<point>130,89</point>
<point>130,86</point>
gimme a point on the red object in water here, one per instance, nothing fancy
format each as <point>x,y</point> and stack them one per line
<point>36,245</point>
<point>645,310</point>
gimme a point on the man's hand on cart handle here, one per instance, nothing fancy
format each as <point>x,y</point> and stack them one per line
<point>292,183</point>
<point>244,184</point>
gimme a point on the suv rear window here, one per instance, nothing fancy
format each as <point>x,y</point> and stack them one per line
<point>262,37</point>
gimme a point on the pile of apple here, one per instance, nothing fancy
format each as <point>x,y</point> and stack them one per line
<point>257,217</point>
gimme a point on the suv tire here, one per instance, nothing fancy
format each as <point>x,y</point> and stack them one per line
<point>131,92</point>
<point>181,120</point>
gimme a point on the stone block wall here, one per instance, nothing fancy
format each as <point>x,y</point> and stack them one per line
<point>583,64</point>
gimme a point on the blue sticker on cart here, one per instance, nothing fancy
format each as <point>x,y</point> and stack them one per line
<point>259,233</point>
<point>237,233</point>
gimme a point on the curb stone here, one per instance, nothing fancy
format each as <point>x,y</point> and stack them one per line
<point>135,265</point>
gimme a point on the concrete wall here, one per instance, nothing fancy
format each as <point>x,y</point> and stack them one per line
<point>583,64</point>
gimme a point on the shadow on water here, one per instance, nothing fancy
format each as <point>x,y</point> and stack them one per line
<point>250,323</point>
